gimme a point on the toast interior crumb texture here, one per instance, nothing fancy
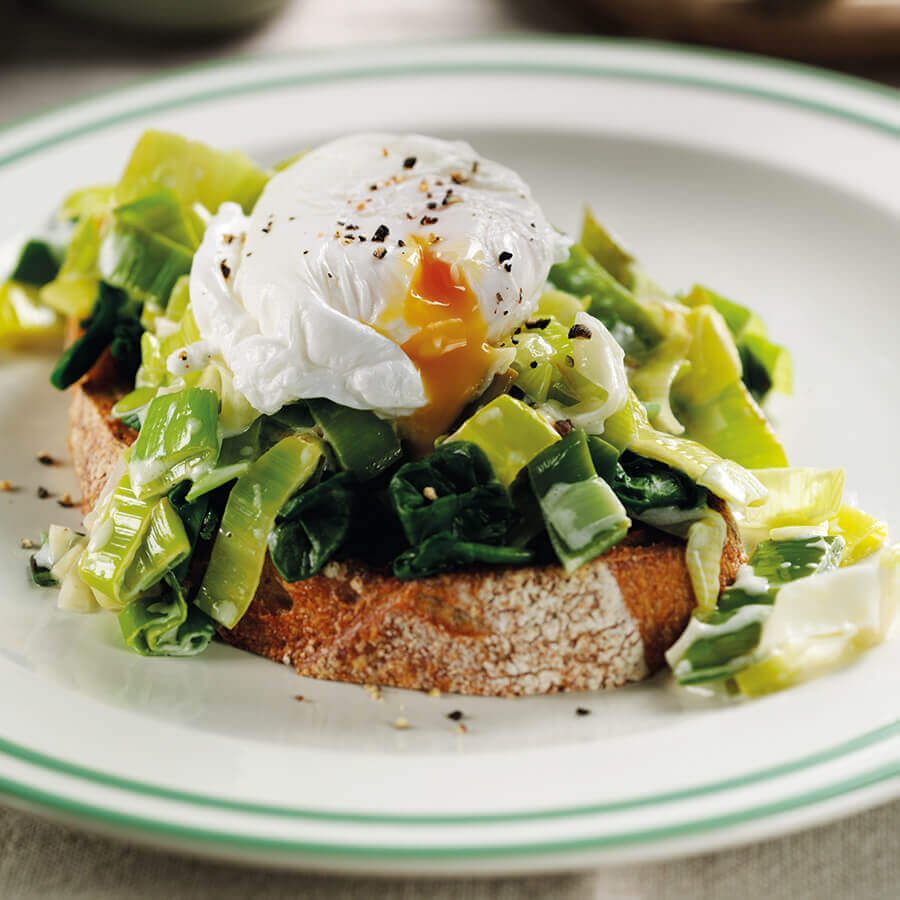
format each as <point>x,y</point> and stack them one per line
<point>497,632</point>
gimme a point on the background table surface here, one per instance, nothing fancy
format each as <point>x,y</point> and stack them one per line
<point>47,60</point>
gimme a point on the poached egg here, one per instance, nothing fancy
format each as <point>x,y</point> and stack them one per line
<point>376,271</point>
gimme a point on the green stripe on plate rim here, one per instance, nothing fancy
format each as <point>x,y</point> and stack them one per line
<point>105,779</point>
<point>62,804</point>
<point>106,817</point>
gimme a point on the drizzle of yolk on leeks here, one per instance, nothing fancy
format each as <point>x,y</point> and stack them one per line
<point>449,348</point>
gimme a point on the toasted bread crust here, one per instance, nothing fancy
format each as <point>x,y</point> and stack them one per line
<point>500,632</point>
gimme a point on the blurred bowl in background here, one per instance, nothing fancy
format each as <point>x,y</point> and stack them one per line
<point>822,30</point>
<point>207,16</point>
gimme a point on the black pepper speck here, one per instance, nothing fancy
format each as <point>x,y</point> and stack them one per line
<point>579,331</point>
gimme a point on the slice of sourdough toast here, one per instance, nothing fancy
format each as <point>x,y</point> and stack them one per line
<point>490,631</point>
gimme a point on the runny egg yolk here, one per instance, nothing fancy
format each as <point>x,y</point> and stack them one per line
<point>449,348</point>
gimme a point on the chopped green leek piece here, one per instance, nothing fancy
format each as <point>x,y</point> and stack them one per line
<point>734,427</point>
<point>133,544</point>
<point>196,173</point>
<point>160,213</point>
<point>823,622</point>
<point>560,305</point>
<point>216,477</point>
<point>766,366</point>
<point>152,372</point>
<point>541,350</point>
<point>610,302</point>
<point>584,517</point>
<point>165,625</point>
<point>725,478</point>
<point>85,202</point>
<point>163,546</point>
<point>797,496</point>
<point>179,299</point>
<point>740,320</point>
<point>780,562</point>
<point>132,408</point>
<point>24,321</point>
<point>620,429</point>
<point>41,575</point>
<point>74,289</point>
<point>652,381</point>
<point>364,444</point>
<point>179,439</point>
<point>235,412</point>
<point>71,295</point>
<point>510,434</point>
<point>38,264</point>
<point>238,453</point>
<point>145,264</point>
<point>604,457</point>
<point>240,548</point>
<point>703,557</point>
<point>713,356</point>
<point>864,534</point>
<point>774,673</point>
<point>723,642</point>
<point>185,334</point>
<point>606,250</point>
<point>534,365</point>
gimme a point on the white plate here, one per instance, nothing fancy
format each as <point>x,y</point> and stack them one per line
<point>776,184</point>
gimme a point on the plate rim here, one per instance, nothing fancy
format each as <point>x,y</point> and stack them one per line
<point>104,818</point>
<point>60,766</point>
<point>241,67</point>
<point>245,62</point>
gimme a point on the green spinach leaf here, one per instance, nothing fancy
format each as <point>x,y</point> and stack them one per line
<point>311,526</point>
<point>452,490</point>
<point>443,552</point>
<point>454,512</point>
<point>642,484</point>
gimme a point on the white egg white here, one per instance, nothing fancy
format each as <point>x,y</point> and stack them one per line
<point>304,297</point>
